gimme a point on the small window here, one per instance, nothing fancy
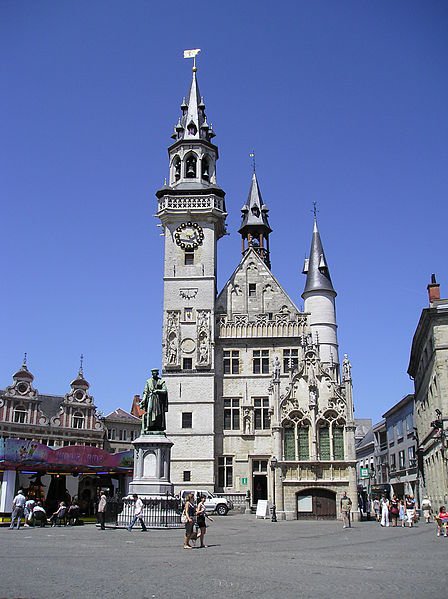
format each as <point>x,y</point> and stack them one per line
<point>188,314</point>
<point>187,363</point>
<point>225,472</point>
<point>187,476</point>
<point>402,460</point>
<point>261,413</point>
<point>189,258</point>
<point>78,420</point>
<point>252,290</point>
<point>20,415</point>
<point>260,361</point>
<point>393,464</point>
<point>232,414</point>
<point>290,359</point>
<point>231,361</point>
<point>187,419</point>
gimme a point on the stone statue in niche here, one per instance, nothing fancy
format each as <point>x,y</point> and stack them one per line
<point>155,404</point>
<point>172,350</point>
<point>203,351</point>
<point>247,422</point>
<point>346,368</point>
<point>276,369</point>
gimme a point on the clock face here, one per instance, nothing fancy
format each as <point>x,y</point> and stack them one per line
<point>189,236</point>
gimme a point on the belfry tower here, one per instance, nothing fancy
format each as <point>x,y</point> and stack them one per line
<point>255,228</point>
<point>192,211</point>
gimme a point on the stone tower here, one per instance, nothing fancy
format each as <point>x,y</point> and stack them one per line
<point>192,211</point>
<point>319,301</point>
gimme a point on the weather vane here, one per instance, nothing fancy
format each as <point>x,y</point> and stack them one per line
<point>252,155</point>
<point>81,362</point>
<point>192,54</point>
<point>315,210</point>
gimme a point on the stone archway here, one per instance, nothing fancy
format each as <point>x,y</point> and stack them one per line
<point>316,504</point>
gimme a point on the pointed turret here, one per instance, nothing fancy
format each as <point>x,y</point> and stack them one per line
<point>316,266</point>
<point>193,156</point>
<point>319,300</point>
<point>255,227</point>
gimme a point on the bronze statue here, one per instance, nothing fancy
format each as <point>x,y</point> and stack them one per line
<point>155,404</point>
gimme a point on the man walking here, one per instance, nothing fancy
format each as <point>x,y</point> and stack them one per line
<point>346,507</point>
<point>18,507</point>
<point>102,511</point>
<point>138,511</point>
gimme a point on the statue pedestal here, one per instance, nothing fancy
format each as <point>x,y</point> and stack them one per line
<point>152,454</point>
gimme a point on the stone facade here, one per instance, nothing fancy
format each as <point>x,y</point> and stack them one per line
<point>258,402</point>
<point>53,420</point>
<point>428,366</point>
<point>122,428</point>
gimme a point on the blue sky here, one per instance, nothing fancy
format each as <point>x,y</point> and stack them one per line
<point>344,103</point>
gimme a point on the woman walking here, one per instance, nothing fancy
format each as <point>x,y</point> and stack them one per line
<point>384,511</point>
<point>410,510</point>
<point>189,511</point>
<point>394,510</point>
<point>201,515</point>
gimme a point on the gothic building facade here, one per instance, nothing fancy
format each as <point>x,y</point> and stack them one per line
<point>259,401</point>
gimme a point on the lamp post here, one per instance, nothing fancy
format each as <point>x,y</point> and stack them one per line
<point>274,462</point>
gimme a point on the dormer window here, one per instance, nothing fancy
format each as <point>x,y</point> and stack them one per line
<point>78,420</point>
<point>192,129</point>
<point>190,167</point>
<point>20,415</point>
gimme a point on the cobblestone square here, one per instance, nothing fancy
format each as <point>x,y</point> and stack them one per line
<point>263,559</point>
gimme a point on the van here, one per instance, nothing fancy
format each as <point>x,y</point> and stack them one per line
<point>213,504</point>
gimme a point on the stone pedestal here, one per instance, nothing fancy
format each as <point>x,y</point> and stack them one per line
<point>152,454</point>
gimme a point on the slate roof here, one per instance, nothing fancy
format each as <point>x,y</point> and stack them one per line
<point>316,267</point>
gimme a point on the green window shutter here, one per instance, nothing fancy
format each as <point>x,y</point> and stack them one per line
<point>338,443</point>
<point>324,443</point>
<point>304,445</point>
<point>289,444</point>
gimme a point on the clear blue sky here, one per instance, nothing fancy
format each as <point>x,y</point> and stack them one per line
<point>345,104</point>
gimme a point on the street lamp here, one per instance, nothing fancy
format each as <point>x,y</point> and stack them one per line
<point>274,462</point>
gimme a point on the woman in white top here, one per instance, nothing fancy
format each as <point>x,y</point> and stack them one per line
<point>384,511</point>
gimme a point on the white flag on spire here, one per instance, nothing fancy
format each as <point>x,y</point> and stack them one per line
<point>191,53</point>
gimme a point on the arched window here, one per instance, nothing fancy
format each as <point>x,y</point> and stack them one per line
<point>176,168</point>
<point>303,442</point>
<point>20,414</point>
<point>205,168</point>
<point>338,443</point>
<point>78,420</point>
<point>324,442</point>
<point>190,166</point>
<point>289,444</point>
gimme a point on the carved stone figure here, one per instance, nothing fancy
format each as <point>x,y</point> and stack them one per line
<point>203,351</point>
<point>155,403</point>
<point>172,351</point>
<point>247,424</point>
<point>346,369</point>
<point>276,369</point>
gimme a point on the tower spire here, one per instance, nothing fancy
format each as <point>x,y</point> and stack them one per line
<point>255,227</point>
<point>319,298</point>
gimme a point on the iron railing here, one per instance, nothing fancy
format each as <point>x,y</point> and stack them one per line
<point>158,512</point>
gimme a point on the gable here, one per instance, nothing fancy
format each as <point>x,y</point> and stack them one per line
<point>253,291</point>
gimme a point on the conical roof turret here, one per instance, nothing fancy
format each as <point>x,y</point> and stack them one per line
<point>192,124</point>
<point>316,267</point>
<point>254,213</point>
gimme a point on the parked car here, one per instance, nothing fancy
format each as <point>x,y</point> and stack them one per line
<point>213,503</point>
